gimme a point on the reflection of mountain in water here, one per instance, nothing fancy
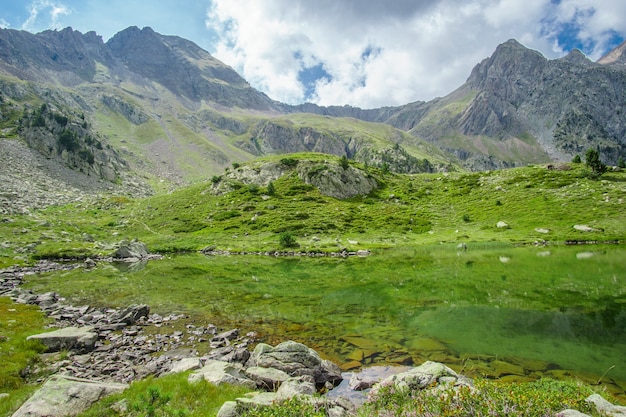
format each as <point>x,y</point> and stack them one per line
<point>604,326</point>
<point>572,338</point>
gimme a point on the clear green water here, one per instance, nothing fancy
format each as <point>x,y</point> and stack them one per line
<point>565,306</point>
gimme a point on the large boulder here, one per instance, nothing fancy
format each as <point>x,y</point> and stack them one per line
<point>218,372</point>
<point>82,339</point>
<point>295,359</point>
<point>426,375</point>
<point>131,250</point>
<point>131,314</point>
<point>66,396</point>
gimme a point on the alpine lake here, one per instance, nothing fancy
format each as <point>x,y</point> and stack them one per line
<point>495,310</point>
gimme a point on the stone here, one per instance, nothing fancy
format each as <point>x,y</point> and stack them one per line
<point>606,408</point>
<point>131,314</point>
<point>268,378</point>
<point>131,250</point>
<point>584,228</point>
<point>184,365</point>
<point>420,377</point>
<point>70,338</point>
<point>295,359</point>
<point>66,396</point>
<point>228,409</point>
<point>218,372</point>
<point>502,225</point>
<point>542,230</point>
<point>301,385</point>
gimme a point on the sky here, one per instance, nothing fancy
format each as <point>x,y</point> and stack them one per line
<point>364,53</point>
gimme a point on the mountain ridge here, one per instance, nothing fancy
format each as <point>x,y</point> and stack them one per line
<point>176,114</point>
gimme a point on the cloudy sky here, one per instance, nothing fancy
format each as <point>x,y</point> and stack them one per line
<point>366,53</point>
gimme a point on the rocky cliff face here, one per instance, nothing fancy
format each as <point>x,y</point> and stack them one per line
<point>518,107</point>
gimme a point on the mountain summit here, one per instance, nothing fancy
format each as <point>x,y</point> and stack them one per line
<point>174,112</point>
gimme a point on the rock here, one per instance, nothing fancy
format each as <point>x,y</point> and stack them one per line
<point>186,364</point>
<point>295,359</point>
<point>584,228</point>
<point>66,396</point>
<point>571,413</point>
<point>421,377</point>
<point>218,372</point>
<point>131,250</point>
<point>542,230</point>
<point>70,338</point>
<point>302,385</point>
<point>502,225</point>
<point>131,314</point>
<point>268,378</point>
<point>606,408</point>
<point>228,409</point>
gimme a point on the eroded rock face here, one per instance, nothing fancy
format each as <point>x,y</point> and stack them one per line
<point>66,396</point>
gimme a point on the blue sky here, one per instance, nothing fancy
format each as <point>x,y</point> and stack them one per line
<point>366,53</point>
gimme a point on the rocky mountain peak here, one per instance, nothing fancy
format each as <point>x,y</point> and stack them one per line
<point>576,57</point>
<point>616,56</point>
<point>509,61</point>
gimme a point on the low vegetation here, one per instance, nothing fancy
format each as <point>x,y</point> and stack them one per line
<point>543,398</point>
<point>535,202</point>
<point>168,396</point>
<point>18,357</point>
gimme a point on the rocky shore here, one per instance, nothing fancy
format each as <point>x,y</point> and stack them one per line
<point>108,348</point>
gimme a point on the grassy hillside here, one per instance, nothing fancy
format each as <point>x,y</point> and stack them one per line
<point>536,203</point>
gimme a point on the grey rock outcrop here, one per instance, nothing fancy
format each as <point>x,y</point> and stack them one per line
<point>131,250</point>
<point>427,374</point>
<point>295,359</point>
<point>218,372</point>
<point>63,396</point>
<point>82,339</point>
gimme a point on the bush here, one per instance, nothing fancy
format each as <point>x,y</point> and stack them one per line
<point>592,160</point>
<point>577,159</point>
<point>344,163</point>
<point>287,240</point>
<point>271,190</point>
<point>289,162</point>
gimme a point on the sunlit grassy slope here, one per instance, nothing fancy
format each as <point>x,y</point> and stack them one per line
<point>536,203</point>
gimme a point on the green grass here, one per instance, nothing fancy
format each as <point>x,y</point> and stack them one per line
<point>405,210</point>
<point>169,395</point>
<point>17,322</point>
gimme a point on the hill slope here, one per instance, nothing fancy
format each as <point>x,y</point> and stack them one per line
<point>171,112</point>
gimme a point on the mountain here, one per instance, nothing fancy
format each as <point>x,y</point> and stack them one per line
<point>517,108</point>
<point>155,111</point>
<point>159,111</point>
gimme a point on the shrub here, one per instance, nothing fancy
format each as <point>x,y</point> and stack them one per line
<point>592,160</point>
<point>466,218</point>
<point>577,159</point>
<point>621,163</point>
<point>287,240</point>
<point>271,190</point>
<point>289,162</point>
<point>344,163</point>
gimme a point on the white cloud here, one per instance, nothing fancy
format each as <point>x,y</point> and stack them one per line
<point>53,11</point>
<point>425,49</point>
<point>4,24</point>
